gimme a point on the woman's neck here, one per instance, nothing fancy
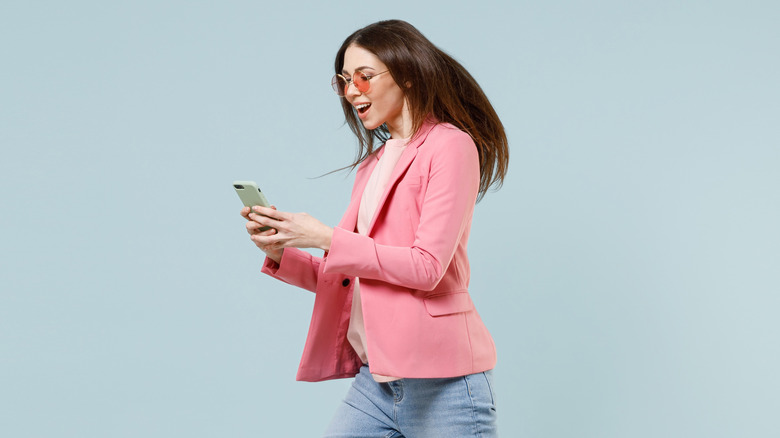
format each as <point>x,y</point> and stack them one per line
<point>401,126</point>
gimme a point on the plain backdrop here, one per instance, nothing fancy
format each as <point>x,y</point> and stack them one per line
<point>628,269</point>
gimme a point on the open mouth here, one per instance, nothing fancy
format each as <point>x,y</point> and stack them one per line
<point>362,108</point>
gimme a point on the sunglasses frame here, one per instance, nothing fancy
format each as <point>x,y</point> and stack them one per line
<point>334,82</point>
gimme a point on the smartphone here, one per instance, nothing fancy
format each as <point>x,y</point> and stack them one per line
<point>251,195</point>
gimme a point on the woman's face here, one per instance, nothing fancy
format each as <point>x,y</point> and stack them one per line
<point>384,101</point>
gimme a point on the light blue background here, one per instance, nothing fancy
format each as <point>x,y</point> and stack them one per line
<point>628,270</point>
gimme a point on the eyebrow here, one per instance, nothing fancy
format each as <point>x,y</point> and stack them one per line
<point>362,67</point>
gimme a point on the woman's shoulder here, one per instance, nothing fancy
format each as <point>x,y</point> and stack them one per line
<point>445,136</point>
<point>447,132</point>
<point>450,149</point>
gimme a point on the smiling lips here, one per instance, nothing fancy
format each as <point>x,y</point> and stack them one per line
<point>362,107</point>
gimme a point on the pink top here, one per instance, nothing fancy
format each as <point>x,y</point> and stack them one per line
<point>377,182</point>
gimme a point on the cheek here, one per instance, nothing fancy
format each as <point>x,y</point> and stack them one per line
<point>390,96</point>
<point>393,102</point>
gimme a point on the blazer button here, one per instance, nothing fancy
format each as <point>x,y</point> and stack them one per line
<point>345,283</point>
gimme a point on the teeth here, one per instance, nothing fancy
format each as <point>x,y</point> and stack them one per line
<point>362,106</point>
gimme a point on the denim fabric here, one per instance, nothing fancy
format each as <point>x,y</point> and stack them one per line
<point>417,408</point>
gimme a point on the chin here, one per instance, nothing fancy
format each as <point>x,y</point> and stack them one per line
<point>371,125</point>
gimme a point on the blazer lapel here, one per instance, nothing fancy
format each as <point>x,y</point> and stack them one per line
<point>407,157</point>
<point>349,220</point>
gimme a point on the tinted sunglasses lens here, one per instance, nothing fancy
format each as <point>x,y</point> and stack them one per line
<point>361,81</point>
<point>339,85</point>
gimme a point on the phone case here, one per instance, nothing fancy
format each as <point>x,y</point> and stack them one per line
<point>251,195</point>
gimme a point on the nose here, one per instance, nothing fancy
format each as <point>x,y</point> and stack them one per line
<point>352,90</point>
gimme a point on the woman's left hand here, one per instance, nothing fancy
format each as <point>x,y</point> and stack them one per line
<point>296,230</point>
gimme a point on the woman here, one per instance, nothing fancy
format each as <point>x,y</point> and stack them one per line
<point>392,305</point>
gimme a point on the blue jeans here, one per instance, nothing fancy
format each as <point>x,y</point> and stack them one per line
<point>417,408</point>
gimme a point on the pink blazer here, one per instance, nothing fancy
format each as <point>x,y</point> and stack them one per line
<point>413,269</point>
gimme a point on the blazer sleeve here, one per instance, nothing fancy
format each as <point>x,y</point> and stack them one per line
<point>298,268</point>
<point>446,210</point>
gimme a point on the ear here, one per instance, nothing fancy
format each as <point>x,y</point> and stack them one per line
<point>408,84</point>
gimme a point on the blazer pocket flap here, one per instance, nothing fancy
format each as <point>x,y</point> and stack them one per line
<point>448,304</point>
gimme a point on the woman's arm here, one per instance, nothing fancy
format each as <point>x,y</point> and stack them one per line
<point>453,184</point>
<point>292,265</point>
<point>298,268</point>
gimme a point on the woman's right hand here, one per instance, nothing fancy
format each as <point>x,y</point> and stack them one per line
<point>253,228</point>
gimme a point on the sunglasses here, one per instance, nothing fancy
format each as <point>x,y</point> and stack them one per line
<point>360,80</point>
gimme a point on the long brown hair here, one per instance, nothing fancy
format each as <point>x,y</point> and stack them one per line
<point>440,87</point>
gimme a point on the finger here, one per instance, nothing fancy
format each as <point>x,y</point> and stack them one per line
<point>268,232</point>
<point>264,221</point>
<point>262,241</point>
<point>273,213</point>
<point>253,227</point>
<point>264,233</point>
<point>245,212</point>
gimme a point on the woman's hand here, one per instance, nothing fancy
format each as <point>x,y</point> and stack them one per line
<point>293,230</point>
<point>253,228</point>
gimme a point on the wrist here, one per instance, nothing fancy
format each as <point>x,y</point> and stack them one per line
<point>327,236</point>
<point>276,256</point>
